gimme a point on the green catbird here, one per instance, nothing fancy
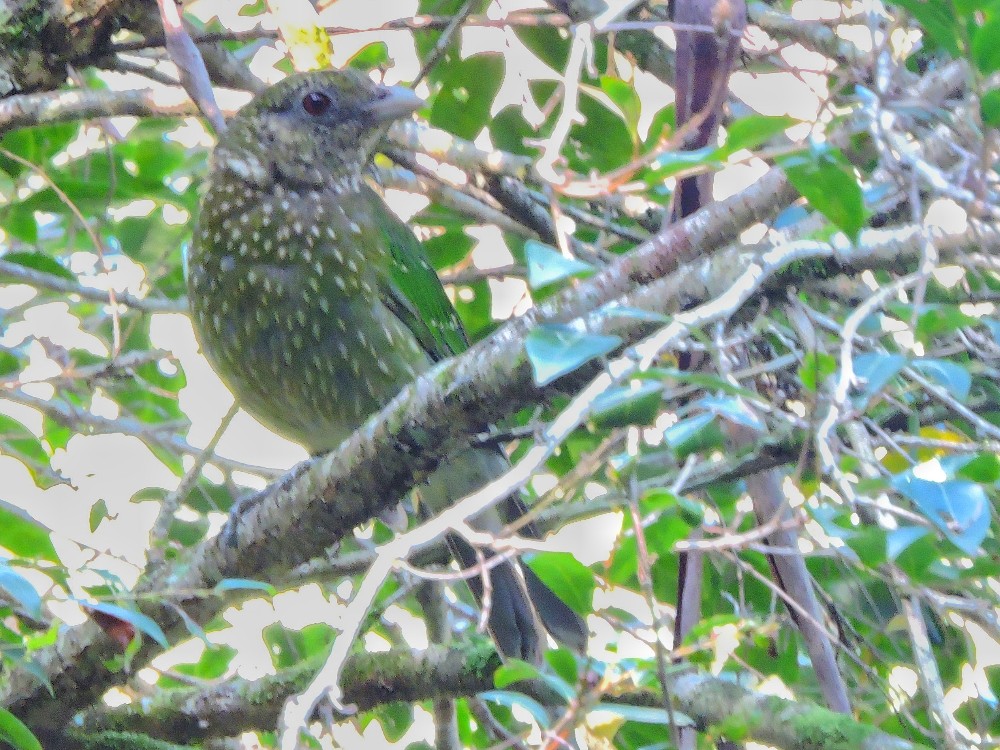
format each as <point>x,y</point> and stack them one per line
<point>316,304</point>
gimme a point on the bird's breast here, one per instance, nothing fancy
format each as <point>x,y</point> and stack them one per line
<point>287,309</point>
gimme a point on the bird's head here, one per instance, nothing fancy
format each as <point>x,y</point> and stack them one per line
<point>311,128</point>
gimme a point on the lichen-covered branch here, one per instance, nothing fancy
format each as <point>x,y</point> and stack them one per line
<point>716,704</point>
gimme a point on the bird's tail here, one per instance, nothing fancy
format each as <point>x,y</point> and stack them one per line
<point>518,599</point>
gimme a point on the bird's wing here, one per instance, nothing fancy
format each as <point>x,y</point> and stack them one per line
<point>412,290</point>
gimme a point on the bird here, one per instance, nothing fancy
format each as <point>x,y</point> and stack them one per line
<point>316,304</point>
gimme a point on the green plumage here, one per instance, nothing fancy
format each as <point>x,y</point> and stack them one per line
<point>316,304</point>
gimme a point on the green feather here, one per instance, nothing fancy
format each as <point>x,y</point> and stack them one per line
<point>413,291</point>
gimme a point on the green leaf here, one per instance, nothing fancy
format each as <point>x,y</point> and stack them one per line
<point>243,584</point>
<point>953,377</point>
<point>57,435</point>
<point>98,512</point>
<point>195,629</point>
<point>752,131</point>
<point>635,313</point>
<point>25,537</point>
<point>624,562</point>
<point>370,56</point>
<point>694,434</point>
<point>815,368</point>
<point>155,157</point>
<point>546,265</point>
<point>571,579</point>
<point>643,714</point>
<point>604,142</point>
<point>982,468</point>
<point>40,262</point>
<point>550,43</point>
<point>148,239</point>
<point>938,19</point>
<point>139,621</point>
<point>736,410</point>
<point>989,108</point>
<point>555,350</point>
<point>21,223</point>
<point>9,363</point>
<point>510,699</point>
<point>870,544</point>
<point>16,734</point>
<point>638,404</point>
<point>875,370</point>
<point>961,509</point>
<point>514,670</point>
<point>21,590</point>
<point>288,647</point>
<point>624,95</point>
<point>935,320</point>
<point>898,540</point>
<point>985,49</point>
<point>213,663</point>
<point>671,162</point>
<point>463,105</point>
<point>19,441</point>
<point>665,532</point>
<point>830,187</point>
<point>36,144</point>
<point>395,719</point>
<point>564,663</point>
<point>188,532</point>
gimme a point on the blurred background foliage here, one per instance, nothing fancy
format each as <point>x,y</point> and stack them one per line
<point>106,407</point>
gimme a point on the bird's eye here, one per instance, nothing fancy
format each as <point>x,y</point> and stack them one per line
<point>316,103</point>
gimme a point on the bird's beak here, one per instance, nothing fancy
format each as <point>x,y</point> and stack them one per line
<point>392,103</point>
